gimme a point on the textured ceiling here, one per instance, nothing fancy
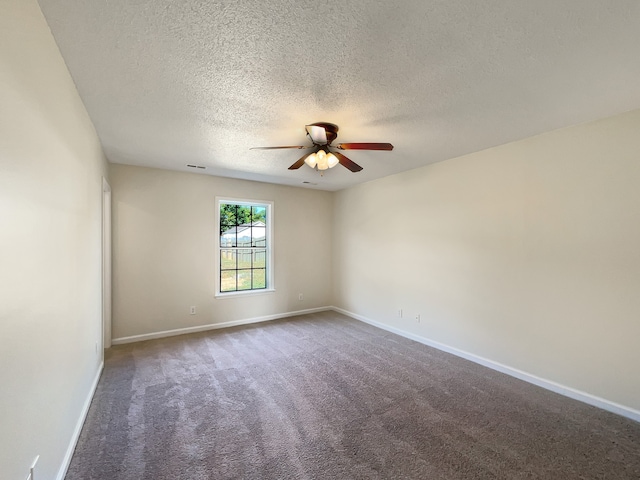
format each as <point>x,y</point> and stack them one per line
<point>169,83</point>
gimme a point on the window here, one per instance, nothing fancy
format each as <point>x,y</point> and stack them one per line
<point>244,246</point>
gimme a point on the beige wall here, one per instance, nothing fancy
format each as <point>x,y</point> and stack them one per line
<point>527,254</point>
<point>51,166</point>
<point>164,233</point>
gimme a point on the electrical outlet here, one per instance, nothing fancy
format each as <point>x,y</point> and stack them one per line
<point>192,310</point>
<point>418,318</point>
<point>300,296</point>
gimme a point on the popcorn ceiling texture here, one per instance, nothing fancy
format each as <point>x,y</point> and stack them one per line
<point>168,83</point>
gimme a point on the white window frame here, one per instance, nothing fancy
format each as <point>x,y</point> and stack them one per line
<point>269,247</point>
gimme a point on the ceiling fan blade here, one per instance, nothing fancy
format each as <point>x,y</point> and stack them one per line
<point>365,146</point>
<point>346,162</point>
<point>299,163</point>
<point>318,134</point>
<point>274,148</point>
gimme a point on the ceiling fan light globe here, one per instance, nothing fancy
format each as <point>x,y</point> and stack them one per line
<point>323,162</point>
<point>332,160</point>
<point>311,160</point>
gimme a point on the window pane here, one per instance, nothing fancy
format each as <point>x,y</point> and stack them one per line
<point>228,237</point>
<point>244,258</point>
<point>243,215</point>
<point>259,258</point>
<point>258,236</point>
<point>259,278</point>
<point>244,280</point>
<point>259,214</point>
<point>228,281</point>
<point>244,236</point>
<point>227,259</point>
<point>227,216</point>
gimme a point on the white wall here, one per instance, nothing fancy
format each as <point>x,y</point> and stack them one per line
<point>527,254</point>
<point>51,166</point>
<point>164,234</point>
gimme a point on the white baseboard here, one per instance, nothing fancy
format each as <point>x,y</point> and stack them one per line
<point>584,397</point>
<point>214,326</point>
<point>76,432</point>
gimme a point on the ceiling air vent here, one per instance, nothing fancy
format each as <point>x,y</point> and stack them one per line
<point>197,166</point>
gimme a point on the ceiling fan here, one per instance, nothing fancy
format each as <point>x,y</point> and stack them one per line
<point>322,158</point>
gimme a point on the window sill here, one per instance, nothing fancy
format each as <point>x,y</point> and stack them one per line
<point>244,293</point>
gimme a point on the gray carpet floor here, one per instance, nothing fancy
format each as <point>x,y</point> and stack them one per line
<point>323,396</point>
